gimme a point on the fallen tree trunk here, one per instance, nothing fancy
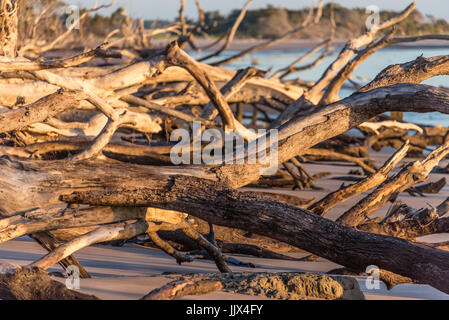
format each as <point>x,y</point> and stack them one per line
<point>215,203</point>
<point>51,183</point>
<point>302,133</point>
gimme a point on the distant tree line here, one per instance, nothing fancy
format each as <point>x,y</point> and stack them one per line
<point>273,21</point>
<point>269,22</point>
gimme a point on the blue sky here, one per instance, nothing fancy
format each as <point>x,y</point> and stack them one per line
<point>168,9</point>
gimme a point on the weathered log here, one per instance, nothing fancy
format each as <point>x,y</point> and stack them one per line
<point>21,65</point>
<point>298,135</point>
<point>284,285</point>
<point>410,72</point>
<point>331,94</point>
<point>423,224</point>
<point>104,233</point>
<point>53,218</point>
<point>34,284</point>
<point>215,203</point>
<point>295,226</point>
<point>177,57</point>
<point>332,199</point>
<point>39,111</point>
<point>178,289</point>
<point>313,96</point>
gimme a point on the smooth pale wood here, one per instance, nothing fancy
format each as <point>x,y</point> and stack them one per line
<point>187,287</point>
<point>313,96</point>
<point>104,233</point>
<point>375,126</point>
<point>331,94</point>
<point>54,218</point>
<point>22,64</point>
<point>49,242</point>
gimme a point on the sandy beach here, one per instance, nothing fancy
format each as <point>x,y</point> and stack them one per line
<point>131,271</point>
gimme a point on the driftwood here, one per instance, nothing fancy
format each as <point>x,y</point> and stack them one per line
<point>178,289</point>
<point>73,131</point>
<point>18,283</point>
<point>322,206</point>
<point>9,28</point>
<point>283,286</point>
<point>409,176</point>
<point>34,284</point>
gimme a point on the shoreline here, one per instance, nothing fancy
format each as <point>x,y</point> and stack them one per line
<point>294,44</point>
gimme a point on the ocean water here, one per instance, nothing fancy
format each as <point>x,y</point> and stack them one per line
<point>277,59</point>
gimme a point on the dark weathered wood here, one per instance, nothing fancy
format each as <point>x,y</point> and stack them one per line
<point>215,203</point>
<point>302,133</point>
<point>38,184</point>
<point>431,187</point>
<point>413,228</point>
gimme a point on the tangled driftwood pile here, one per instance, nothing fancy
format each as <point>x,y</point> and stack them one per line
<point>85,148</point>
